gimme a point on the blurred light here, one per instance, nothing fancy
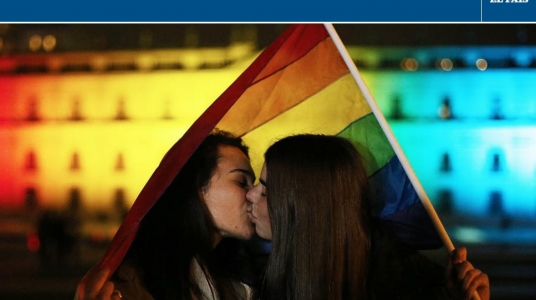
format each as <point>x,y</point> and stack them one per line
<point>55,64</point>
<point>35,42</point>
<point>409,64</point>
<point>481,64</point>
<point>522,58</point>
<point>49,43</point>
<point>470,57</point>
<point>240,50</point>
<point>192,60</point>
<point>446,64</point>
<point>33,242</point>
<point>145,62</point>
<point>469,235</point>
<point>98,63</point>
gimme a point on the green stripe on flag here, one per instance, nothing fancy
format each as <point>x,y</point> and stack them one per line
<point>367,135</point>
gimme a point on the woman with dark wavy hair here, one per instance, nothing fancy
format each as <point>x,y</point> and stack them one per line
<point>190,245</point>
<point>312,203</point>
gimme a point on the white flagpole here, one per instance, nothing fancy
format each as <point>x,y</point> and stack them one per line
<point>391,137</point>
<point>394,143</point>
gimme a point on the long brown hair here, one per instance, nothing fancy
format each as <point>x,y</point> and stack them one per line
<point>179,228</point>
<point>316,193</point>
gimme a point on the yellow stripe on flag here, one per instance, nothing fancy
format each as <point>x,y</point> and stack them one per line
<point>285,88</point>
<point>327,112</point>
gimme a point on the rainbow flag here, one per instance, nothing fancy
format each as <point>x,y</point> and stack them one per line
<point>299,84</point>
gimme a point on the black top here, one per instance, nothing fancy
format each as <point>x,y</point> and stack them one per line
<point>398,271</point>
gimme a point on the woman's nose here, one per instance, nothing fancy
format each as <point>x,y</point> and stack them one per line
<point>252,194</point>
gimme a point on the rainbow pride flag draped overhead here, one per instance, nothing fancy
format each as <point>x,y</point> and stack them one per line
<point>299,84</point>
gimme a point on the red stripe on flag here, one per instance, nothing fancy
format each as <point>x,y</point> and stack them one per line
<point>300,42</point>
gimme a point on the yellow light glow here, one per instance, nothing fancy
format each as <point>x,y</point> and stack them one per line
<point>446,64</point>
<point>145,62</point>
<point>49,43</point>
<point>409,64</point>
<point>481,64</point>
<point>35,42</point>
<point>98,63</point>
<point>192,60</point>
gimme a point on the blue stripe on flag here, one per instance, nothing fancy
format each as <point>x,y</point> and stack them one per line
<point>395,202</point>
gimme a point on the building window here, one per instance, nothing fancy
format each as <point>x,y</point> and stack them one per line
<point>76,111</point>
<point>75,162</point>
<point>32,112</point>
<point>496,165</point>
<point>31,201</point>
<point>121,110</point>
<point>496,203</point>
<point>119,163</point>
<point>30,165</point>
<point>120,204</point>
<point>445,201</point>
<point>446,166</point>
<point>74,204</point>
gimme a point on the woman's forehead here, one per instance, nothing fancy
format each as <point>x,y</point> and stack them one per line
<point>233,157</point>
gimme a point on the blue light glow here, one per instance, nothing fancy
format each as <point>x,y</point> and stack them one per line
<point>490,141</point>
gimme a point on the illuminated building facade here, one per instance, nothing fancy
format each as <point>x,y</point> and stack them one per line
<point>90,127</point>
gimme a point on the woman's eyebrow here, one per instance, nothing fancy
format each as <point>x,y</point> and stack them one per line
<point>262,182</point>
<point>245,172</point>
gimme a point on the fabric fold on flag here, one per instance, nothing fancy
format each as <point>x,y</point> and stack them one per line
<point>299,84</point>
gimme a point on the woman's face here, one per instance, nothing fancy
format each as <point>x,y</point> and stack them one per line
<point>225,195</point>
<point>258,209</point>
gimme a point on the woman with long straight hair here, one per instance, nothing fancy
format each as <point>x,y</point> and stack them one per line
<point>312,203</point>
<point>319,226</point>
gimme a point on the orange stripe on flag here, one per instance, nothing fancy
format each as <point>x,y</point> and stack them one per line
<point>285,88</point>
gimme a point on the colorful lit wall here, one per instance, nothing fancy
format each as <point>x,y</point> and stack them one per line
<point>104,133</point>
<point>482,161</point>
<point>94,136</point>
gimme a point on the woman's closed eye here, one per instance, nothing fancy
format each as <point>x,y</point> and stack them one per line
<point>243,183</point>
<point>262,184</point>
<point>243,178</point>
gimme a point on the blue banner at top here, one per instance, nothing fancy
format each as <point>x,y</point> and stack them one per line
<point>508,10</point>
<point>269,11</point>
